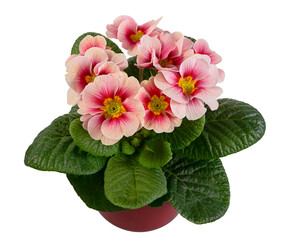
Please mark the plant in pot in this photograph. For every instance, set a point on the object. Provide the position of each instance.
(144, 137)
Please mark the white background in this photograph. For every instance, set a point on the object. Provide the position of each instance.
(36, 38)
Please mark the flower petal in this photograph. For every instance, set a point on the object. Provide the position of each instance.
(105, 68)
(112, 29)
(127, 28)
(110, 128)
(90, 41)
(94, 126)
(77, 69)
(195, 109)
(134, 106)
(178, 109)
(211, 79)
(96, 55)
(127, 87)
(148, 27)
(221, 76)
(202, 47)
(129, 124)
(196, 67)
(72, 97)
(209, 96)
(159, 123)
(147, 48)
(121, 60)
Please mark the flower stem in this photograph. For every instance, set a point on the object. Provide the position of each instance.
(140, 74)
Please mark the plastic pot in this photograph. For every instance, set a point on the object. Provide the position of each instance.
(142, 219)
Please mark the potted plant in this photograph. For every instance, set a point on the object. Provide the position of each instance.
(144, 137)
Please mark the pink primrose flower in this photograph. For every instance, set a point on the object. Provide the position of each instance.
(109, 108)
(158, 114)
(191, 87)
(82, 70)
(127, 31)
(166, 52)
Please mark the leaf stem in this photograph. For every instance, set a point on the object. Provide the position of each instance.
(140, 74)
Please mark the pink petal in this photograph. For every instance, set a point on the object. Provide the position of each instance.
(134, 106)
(151, 88)
(110, 128)
(202, 47)
(72, 97)
(195, 67)
(171, 77)
(129, 123)
(221, 76)
(85, 109)
(148, 47)
(121, 60)
(112, 29)
(108, 141)
(102, 88)
(70, 58)
(77, 69)
(161, 82)
(179, 40)
(143, 96)
(94, 126)
(127, 87)
(178, 109)
(209, 96)
(176, 94)
(159, 123)
(148, 27)
(211, 79)
(90, 41)
(168, 44)
(85, 119)
(96, 55)
(104, 68)
(126, 29)
(195, 109)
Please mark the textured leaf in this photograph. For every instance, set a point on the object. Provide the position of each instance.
(198, 189)
(133, 70)
(83, 140)
(233, 127)
(192, 39)
(90, 189)
(155, 153)
(112, 45)
(74, 109)
(182, 136)
(130, 185)
(160, 201)
(54, 150)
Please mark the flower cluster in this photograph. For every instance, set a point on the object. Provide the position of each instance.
(114, 104)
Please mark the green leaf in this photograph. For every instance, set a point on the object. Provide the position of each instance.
(130, 185)
(54, 150)
(133, 70)
(192, 39)
(127, 148)
(233, 127)
(155, 153)
(90, 189)
(112, 45)
(185, 134)
(160, 201)
(198, 189)
(74, 109)
(83, 140)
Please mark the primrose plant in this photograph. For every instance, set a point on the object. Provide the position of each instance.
(147, 129)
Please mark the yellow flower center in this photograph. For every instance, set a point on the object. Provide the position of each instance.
(187, 85)
(136, 37)
(113, 108)
(90, 78)
(166, 62)
(157, 105)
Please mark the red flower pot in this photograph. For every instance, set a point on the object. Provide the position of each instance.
(142, 219)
